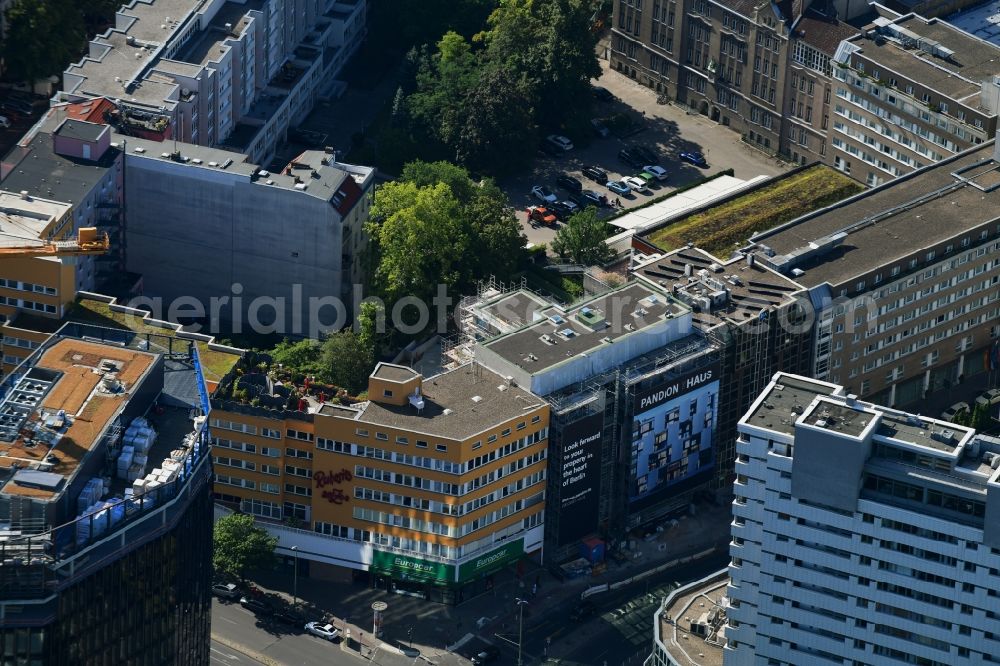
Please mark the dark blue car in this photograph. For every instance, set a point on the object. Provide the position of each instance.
(696, 159)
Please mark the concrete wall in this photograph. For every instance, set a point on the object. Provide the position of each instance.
(827, 466)
(197, 232)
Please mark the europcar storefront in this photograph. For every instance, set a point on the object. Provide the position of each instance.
(439, 581)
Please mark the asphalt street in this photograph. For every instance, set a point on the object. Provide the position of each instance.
(619, 634)
(280, 643)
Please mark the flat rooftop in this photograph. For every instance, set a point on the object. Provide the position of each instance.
(936, 435)
(562, 334)
(44, 173)
(838, 417)
(209, 45)
(784, 401)
(957, 76)
(115, 64)
(982, 20)
(78, 129)
(887, 224)
(394, 373)
(150, 15)
(24, 220)
(451, 409)
(693, 604)
(516, 309)
(56, 414)
(211, 158)
(741, 290)
(720, 227)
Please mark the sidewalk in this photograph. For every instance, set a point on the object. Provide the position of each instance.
(436, 630)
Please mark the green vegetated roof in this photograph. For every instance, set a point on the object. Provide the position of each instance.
(214, 363)
(722, 228)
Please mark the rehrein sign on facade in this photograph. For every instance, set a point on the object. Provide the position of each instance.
(580, 478)
(491, 562)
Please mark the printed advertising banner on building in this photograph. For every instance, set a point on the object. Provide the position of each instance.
(580, 478)
(672, 432)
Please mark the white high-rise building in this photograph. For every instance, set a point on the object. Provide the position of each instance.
(862, 535)
(236, 74)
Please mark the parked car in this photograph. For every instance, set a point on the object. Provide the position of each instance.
(309, 138)
(559, 141)
(646, 177)
(289, 617)
(596, 174)
(550, 149)
(600, 129)
(647, 155)
(696, 159)
(583, 610)
(4, 122)
(541, 215)
(630, 157)
(487, 655)
(226, 591)
(543, 194)
(955, 409)
(618, 186)
(988, 398)
(659, 172)
(21, 96)
(603, 94)
(565, 208)
(569, 183)
(636, 184)
(17, 107)
(323, 630)
(257, 606)
(594, 197)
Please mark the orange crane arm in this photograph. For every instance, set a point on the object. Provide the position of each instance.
(89, 241)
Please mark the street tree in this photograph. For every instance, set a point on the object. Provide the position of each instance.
(444, 83)
(42, 38)
(498, 242)
(239, 546)
(499, 133)
(420, 239)
(582, 239)
(347, 359)
(550, 44)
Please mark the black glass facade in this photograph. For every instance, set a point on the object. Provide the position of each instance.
(150, 606)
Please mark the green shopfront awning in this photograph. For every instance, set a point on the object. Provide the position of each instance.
(491, 562)
(412, 568)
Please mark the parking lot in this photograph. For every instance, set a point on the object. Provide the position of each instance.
(667, 130)
(17, 120)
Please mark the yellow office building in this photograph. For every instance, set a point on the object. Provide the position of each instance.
(432, 485)
(35, 292)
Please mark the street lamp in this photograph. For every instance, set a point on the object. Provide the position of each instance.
(295, 578)
(521, 603)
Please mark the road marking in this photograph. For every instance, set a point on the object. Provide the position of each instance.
(227, 655)
(226, 619)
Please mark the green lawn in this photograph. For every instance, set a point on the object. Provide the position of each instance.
(723, 228)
